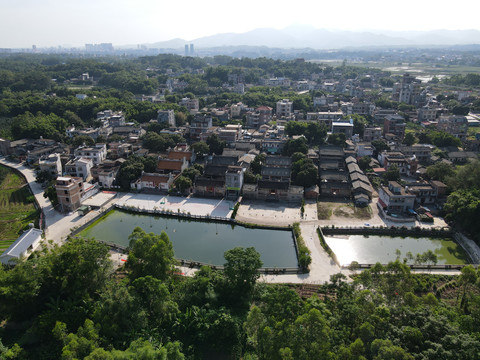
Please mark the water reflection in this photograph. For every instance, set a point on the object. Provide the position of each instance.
(372, 249)
(199, 241)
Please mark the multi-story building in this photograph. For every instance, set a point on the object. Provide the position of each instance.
(394, 124)
(427, 113)
(69, 192)
(51, 164)
(380, 115)
(421, 151)
(343, 127)
(105, 174)
(97, 153)
(200, 124)
(406, 165)
(236, 110)
(394, 199)
(372, 134)
(425, 193)
(192, 105)
(455, 125)
(166, 116)
(407, 91)
(265, 114)
(284, 108)
(261, 116)
(360, 108)
(79, 167)
(233, 181)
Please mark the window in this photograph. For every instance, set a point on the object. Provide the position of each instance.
(67, 199)
(65, 191)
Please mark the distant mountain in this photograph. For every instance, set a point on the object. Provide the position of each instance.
(170, 44)
(304, 36)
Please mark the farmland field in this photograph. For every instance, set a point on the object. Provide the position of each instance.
(17, 207)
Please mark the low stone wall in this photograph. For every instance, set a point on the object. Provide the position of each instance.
(76, 230)
(414, 267)
(389, 231)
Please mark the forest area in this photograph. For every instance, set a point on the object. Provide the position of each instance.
(70, 303)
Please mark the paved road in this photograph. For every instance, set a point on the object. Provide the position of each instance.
(57, 225)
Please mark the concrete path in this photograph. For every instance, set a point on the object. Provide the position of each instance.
(321, 268)
(57, 225)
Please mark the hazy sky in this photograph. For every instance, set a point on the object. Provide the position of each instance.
(68, 22)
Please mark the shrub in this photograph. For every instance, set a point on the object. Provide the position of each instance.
(304, 258)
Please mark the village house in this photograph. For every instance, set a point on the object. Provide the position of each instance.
(372, 134)
(79, 167)
(421, 151)
(167, 117)
(51, 164)
(25, 245)
(333, 174)
(175, 166)
(200, 124)
(394, 200)
(105, 174)
(424, 192)
(192, 105)
(69, 192)
(406, 165)
(154, 181)
(97, 153)
(394, 125)
(455, 125)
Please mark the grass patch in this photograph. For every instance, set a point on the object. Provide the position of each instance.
(324, 212)
(304, 258)
(17, 208)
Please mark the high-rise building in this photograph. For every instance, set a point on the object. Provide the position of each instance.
(192, 51)
(186, 49)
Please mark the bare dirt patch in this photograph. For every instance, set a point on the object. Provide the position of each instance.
(342, 210)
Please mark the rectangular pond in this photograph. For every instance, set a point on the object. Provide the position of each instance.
(198, 240)
(374, 248)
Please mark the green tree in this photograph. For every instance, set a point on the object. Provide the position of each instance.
(215, 144)
(191, 173)
(153, 297)
(183, 183)
(337, 139)
(149, 254)
(257, 163)
(241, 272)
(130, 171)
(82, 140)
(440, 171)
(304, 172)
(364, 162)
(392, 174)
(295, 145)
(409, 139)
(463, 207)
(201, 149)
(380, 145)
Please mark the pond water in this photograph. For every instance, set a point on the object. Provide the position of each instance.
(197, 240)
(372, 249)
